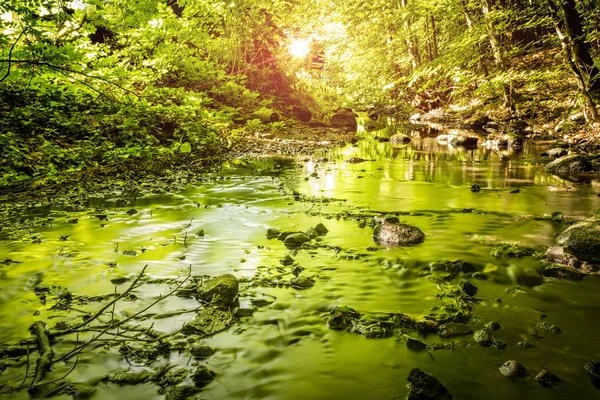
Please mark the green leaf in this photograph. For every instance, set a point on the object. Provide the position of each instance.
(186, 148)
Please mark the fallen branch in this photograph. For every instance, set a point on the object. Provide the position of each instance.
(133, 285)
(46, 354)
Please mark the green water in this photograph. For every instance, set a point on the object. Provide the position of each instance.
(285, 350)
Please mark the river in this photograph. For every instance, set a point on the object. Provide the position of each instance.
(285, 349)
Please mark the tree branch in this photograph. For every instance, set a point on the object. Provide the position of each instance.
(59, 68)
(10, 54)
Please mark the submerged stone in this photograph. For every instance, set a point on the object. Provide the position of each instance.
(512, 250)
(456, 266)
(202, 376)
(425, 387)
(373, 329)
(392, 234)
(468, 288)
(342, 317)
(302, 282)
(583, 241)
(452, 329)
(287, 260)
(415, 344)
(560, 271)
(220, 290)
(209, 321)
(181, 392)
(513, 369)
(201, 351)
(549, 328)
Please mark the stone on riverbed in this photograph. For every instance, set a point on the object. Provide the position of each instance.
(296, 240)
(512, 250)
(455, 267)
(209, 321)
(571, 166)
(513, 369)
(342, 317)
(393, 234)
(484, 337)
(220, 290)
(560, 271)
(547, 379)
(583, 241)
(272, 233)
(452, 329)
(425, 387)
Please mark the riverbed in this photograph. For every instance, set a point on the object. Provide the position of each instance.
(285, 349)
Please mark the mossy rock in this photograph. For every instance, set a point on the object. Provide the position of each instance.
(571, 166)
(220, 290)
(512, 250)
(209, 321)
(296, 240)
(453, 329)
(582, 240)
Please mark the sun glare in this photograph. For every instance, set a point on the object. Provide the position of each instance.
(300, 47)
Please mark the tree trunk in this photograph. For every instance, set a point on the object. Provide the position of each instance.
(412, 43)
(469, 21)
(497, 52)
(434, 37)
(577, 52)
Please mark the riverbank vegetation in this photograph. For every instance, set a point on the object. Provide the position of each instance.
(116, 87)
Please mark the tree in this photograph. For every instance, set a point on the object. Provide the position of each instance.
(569, 29)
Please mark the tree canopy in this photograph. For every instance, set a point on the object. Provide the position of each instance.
(151, 79)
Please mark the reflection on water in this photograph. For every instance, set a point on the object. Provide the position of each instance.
(285, 350)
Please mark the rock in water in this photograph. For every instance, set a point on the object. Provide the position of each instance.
(583, 241)
(342, 317)
(221, 290)
(296, 240)
(484, 337)
(452, 329)
(593, 370)
(209, 321)
(547, 379)
(392, 234)
(513, 369)
(570, 166)
(426, 387)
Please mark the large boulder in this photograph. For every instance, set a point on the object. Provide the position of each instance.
(583, 241)
(343, 119)
(221, 290)
(395, 234)
(570, 166)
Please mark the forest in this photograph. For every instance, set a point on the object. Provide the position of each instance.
(299, 200)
